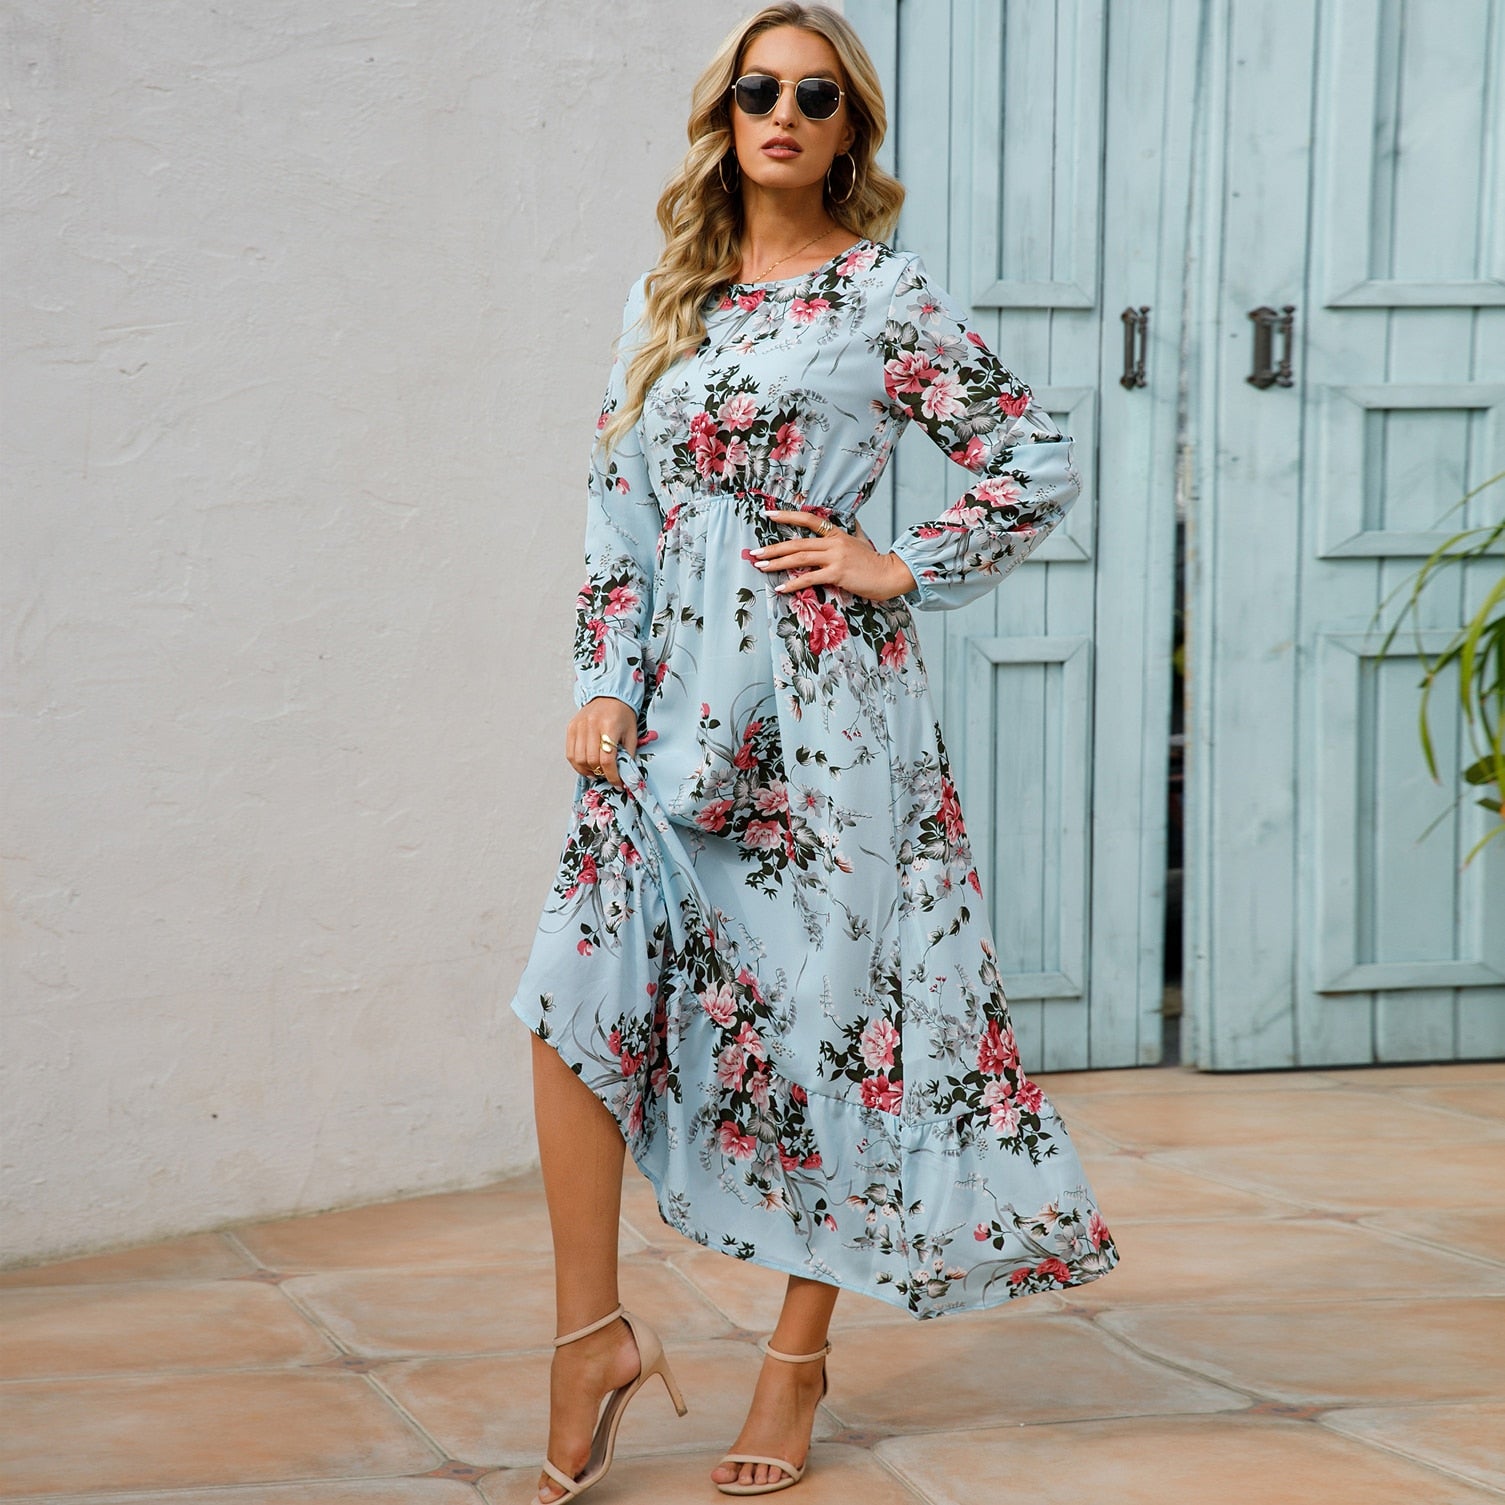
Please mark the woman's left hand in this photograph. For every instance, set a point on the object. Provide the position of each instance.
(839, 558)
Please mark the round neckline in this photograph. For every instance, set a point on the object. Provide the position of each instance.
(830, 261)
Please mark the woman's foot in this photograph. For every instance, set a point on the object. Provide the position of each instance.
(583, 1374)
(779, 1421)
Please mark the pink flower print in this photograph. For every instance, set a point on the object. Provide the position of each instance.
(808, 310)
(951, 812)
(730, 1065)
(736, 454)
(629, 853)
(584, 948)
(720, 1003)
(635, 1117)
(745, 757)
(739, 411)
(830, 1222)
(630, 1062)
(614, 1042)
(798, 1093)
(596, 626)
(973, 455)
(772, 799)
(894, 654)
(859, 259)
(941, 399)
(975, 882)
(705, 709)
(1028, 1096)
(998, 491)
(976, 339)
(788, 442)
(623, 485)
(823, 623)
(811, 1162)
(758, 1089)
(702, 428)
(787, 1161)
(1014, 405)
(622, 598)
(879, 1092)
(588, 869)
(710, 458)
(997, 1051)
(751, 1041)
(1054, 1269)
(1005, 1118)
(981, 1232)
(907, 373)
(712, 817)
(997, 1091)
(877, 1044)
(747, 302)
(968, 517)
(733, 1141)
(1097, 1230)
(762, 836)
(748, 981)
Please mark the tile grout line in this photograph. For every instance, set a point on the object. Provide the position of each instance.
(343, 1349)
(1395, 1450)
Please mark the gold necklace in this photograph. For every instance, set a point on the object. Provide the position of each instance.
(791, 255)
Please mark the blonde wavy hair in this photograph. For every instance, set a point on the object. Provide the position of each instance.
(702, 222)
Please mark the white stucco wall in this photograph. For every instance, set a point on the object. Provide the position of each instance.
(306, 318)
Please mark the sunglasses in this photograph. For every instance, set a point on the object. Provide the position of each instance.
(758, 93)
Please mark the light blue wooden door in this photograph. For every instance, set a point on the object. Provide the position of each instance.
(1351, 161)
(1032, 138)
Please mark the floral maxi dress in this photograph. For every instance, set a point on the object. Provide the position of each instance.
(768, 956)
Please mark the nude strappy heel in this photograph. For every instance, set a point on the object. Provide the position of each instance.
(603, 1443)
(794, 1475)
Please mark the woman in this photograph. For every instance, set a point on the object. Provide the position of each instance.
(765, 964)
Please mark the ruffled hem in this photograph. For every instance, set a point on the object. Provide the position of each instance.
(1040, 1239)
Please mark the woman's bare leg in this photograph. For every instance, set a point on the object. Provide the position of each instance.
(782, 1414)
(581, 1149)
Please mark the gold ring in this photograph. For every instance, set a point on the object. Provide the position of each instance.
(825, 527)
(597, 769)
(607, 745)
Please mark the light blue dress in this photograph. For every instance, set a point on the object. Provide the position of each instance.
(769, 957)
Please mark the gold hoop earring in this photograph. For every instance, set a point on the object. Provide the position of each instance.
(721, 173)
(850, 186)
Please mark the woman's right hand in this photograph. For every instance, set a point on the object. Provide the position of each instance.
(603, 716)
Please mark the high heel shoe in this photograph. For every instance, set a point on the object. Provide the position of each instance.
(604, 1440)
(794, 1475)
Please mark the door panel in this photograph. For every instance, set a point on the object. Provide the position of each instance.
(1028, 138)
(1352, 154)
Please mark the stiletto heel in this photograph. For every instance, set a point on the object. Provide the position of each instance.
(794, 1474)
(673, 1389)
(604, 1440)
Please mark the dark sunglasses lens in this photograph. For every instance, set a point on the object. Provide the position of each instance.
(756, 93)
(817, 98)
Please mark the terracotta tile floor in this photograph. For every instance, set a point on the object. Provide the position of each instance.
(1310, 1308)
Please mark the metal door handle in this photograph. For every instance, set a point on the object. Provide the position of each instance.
(1134, 370)
(1266, 322)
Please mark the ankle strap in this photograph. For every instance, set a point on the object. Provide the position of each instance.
(795, 1358)
(580, 1332)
